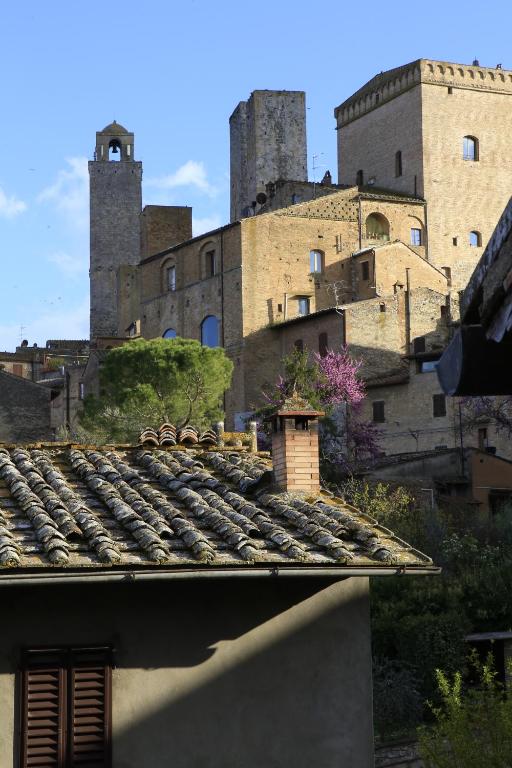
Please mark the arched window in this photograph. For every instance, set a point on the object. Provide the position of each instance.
(114, 150)
(470, 148)
(360, 178)
(377, 227)
(475, 239)
(398, 163)
(170, 333)
(316, 261)
(210, 331)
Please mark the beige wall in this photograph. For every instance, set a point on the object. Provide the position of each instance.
(370, 142)
(464, 195)
(226, 673)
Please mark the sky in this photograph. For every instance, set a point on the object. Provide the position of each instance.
(173, 72)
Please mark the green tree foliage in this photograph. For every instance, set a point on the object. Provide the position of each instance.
(144, 383)
(419, 623)
(473, 726)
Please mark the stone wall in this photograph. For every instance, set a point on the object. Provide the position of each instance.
(398, 755)
(162, 226)
(24, 410)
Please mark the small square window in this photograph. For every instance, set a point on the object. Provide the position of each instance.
(439, 405)
(171, 278)
(415, 236)
(378, 411)
(303, 305)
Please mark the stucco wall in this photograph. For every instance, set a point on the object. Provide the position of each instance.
(224, 674)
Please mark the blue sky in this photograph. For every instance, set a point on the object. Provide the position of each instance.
(173, 73)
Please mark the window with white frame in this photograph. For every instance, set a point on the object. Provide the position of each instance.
(303, 305)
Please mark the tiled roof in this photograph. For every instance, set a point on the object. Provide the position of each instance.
(77, 507)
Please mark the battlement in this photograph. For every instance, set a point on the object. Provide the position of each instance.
(388, 85)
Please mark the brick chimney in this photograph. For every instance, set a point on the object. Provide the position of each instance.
(295, 446)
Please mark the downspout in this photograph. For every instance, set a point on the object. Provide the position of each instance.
(222, 304)
(68, 405)
(426, 229)
(360, 223)
(407, 312)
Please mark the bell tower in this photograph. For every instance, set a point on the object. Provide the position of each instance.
(115, 180)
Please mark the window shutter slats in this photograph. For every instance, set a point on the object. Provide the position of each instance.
(66, 709)
(89, 711)
(43, 712)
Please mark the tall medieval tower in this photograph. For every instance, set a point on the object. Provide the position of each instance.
(267, 143)
(439, 131)
(115, 204)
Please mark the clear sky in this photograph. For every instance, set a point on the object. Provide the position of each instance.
(172, 72)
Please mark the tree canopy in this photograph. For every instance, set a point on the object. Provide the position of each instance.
(144, 383)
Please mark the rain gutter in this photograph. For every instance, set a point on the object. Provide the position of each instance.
(131, 576)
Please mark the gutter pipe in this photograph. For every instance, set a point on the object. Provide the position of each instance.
(131, 576)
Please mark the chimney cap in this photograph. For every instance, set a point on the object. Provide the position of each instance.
(295, 405)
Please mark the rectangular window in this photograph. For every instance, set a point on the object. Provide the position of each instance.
(398, 164)
(303, 305)
(299, 345)
(439, 405)
(448, 274)
(211, 266)
(322, 344)
(315, 261)
(171, 278)
(17, 369)
(378, 411)
(66, 708)
(365, 270)
(415, 236)
(419, 345)
(427, 366)
(482, 438)
(81, 390)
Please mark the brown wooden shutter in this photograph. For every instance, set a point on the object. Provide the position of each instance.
(43, 714)
(66, 704)
(89, 710)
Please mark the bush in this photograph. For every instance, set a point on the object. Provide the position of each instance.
(473, 726)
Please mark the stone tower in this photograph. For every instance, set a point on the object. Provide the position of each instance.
(115, 203)
(267, 143)
(439, 131)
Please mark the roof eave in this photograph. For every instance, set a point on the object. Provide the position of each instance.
(54, 578)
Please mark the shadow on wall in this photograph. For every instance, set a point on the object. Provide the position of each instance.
(223, 673)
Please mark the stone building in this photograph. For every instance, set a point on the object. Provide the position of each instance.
(375, 261)
(438, 130)
(241, 286)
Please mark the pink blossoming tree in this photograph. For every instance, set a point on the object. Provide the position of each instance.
(332, 384)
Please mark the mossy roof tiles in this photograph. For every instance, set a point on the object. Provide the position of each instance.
(87, 508)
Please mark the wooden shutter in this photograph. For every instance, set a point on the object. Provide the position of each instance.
(66, 704)
(89, 710)
(43, 713)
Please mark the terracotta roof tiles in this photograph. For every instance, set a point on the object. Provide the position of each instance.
(81, 507)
